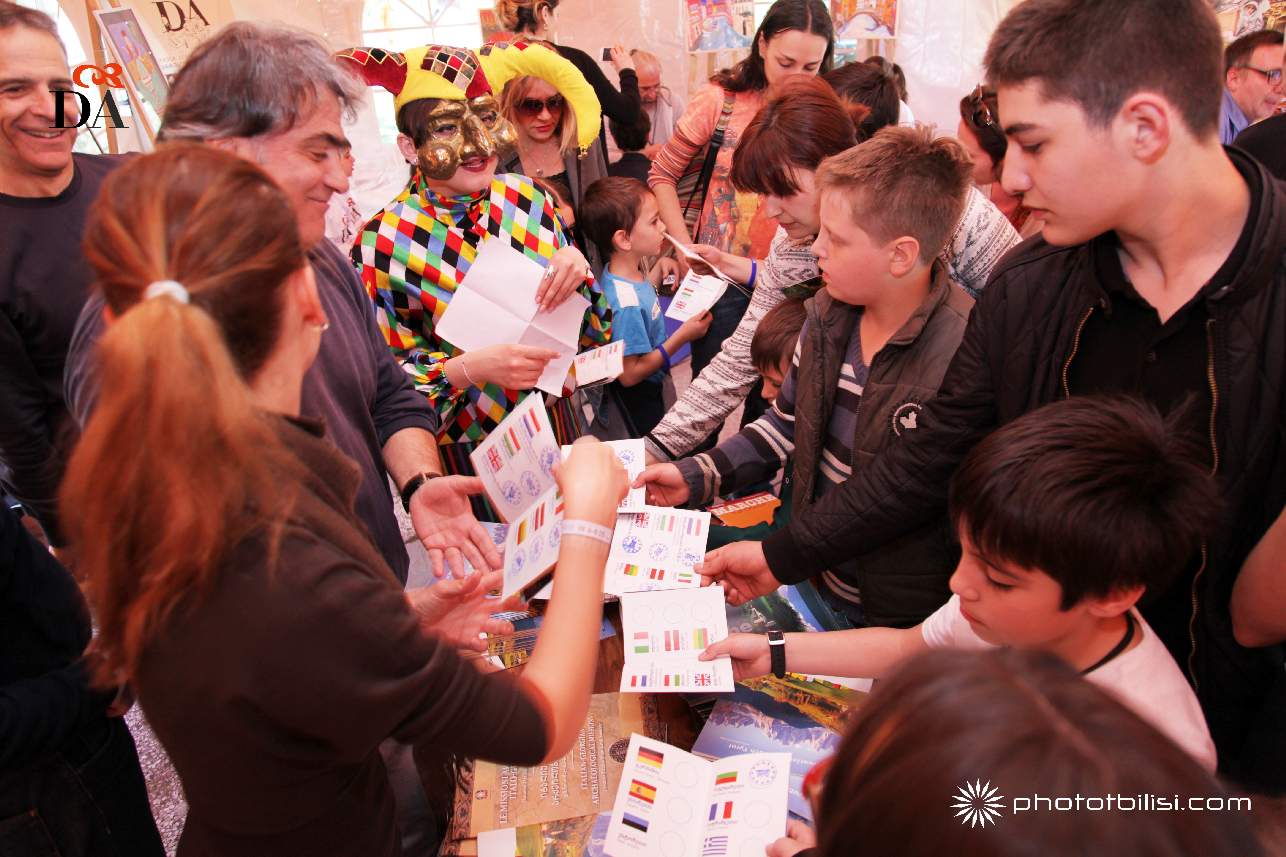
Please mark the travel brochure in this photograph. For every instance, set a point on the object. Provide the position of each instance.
(672, 803)
(664, 632)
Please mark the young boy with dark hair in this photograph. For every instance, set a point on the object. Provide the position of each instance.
(631, 139)
(1066, 516)
(1161, 272)
(879, 335)
(774, 343)
(621, 217)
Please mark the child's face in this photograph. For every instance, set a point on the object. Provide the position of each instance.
(648, 234)
(773, 378)
(854, 265)
(1011, 606)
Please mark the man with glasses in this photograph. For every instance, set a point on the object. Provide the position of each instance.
(661, 105)
(1266, 140)
(1252, 82)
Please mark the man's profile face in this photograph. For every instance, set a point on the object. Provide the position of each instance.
(1250, 87)
(649, 83)
(32, 63)
(1068, 170)
(310, 161)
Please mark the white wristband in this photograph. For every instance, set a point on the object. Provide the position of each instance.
(588, 529)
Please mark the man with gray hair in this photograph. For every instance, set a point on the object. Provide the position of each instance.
(273, 95)
(660, 103)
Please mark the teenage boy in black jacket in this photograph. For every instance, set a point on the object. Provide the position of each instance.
(1161, 272)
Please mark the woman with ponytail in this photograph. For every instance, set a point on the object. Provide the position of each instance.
(269, 643)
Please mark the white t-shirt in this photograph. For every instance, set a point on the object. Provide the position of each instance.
(1145, 678)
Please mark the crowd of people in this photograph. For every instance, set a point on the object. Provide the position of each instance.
(1021, 391)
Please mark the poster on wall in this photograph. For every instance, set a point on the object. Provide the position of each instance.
(864, 19)
(1255, 15)
(720, 25)
(142, 71)
(178, 26)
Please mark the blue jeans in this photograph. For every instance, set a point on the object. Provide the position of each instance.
(88, 800)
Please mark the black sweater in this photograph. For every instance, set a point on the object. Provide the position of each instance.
(44, 627)
(44, 279)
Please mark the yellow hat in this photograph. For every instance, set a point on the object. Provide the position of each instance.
(454, 74)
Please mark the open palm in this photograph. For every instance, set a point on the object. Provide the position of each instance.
(445, 525)
(457, 609)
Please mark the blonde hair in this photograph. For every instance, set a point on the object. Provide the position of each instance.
(520, 16)
(902, 182)
(518, 89)
(177, 463)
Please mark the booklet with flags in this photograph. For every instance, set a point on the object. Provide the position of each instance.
(516, 461)
(672, 802)
(664, 632)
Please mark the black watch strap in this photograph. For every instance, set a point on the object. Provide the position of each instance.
(409, 489)
(777, 652)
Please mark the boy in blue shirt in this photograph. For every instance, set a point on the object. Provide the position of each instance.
(621, 217)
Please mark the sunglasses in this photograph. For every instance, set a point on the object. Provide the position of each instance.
(982, 116)
(533, 107)
(1274, 75)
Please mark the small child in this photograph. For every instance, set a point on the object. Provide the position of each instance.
(621, 217)
(774, 344)
(631, 139)
(1066, 516)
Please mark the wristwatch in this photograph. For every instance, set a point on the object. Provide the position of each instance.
(777, 651)
(409, 489)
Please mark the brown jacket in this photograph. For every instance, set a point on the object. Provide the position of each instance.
(905, 580)
(272, 692)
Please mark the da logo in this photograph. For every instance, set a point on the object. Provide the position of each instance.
(108, 75)
(906, 418)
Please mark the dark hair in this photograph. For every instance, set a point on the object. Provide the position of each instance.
(1239, 52)
(802, 124)
(12, 15)
(253, 79)
(631, 136)
(871, 86)
(610, 204)
(891, 68)
(903, 181)
(992, 140)
(776, 335)
(1096, 54)
(203, 459)
(806, 16)
(1099, 492)
(1023, 723)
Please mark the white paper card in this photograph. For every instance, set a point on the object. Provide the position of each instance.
(498, 843)
(496, 304)
(630, 454)
(654, 547)
(692, 256)
(600, 365)
(531, 543)
(664, 632)
(672, 802)
(516, 461)
(696, 294)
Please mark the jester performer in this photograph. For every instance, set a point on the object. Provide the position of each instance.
(416, 253)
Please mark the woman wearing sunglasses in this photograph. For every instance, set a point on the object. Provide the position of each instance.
(546, 145)
(980, 133)
(959, 738)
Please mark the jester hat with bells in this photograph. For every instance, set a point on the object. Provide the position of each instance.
(476, 78)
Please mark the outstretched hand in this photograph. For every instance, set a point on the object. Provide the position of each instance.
(457, 609)
(742, 569)
(444, 523)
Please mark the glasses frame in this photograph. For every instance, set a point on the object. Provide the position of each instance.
(982, 115)
(533, 107)
(1274, 75)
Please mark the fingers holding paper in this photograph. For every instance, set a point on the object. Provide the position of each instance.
(749, 653)
(665, 485)
(799, 837)
(742, 569)
(567, 271)
(514, 367)
(593, 482)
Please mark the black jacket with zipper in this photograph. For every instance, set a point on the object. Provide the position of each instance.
(1020, 341)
